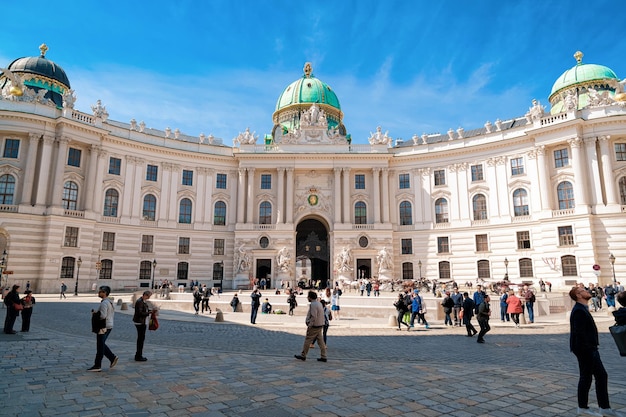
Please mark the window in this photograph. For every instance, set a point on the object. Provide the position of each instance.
(565, 193)
(441, 210)
(111, 199)
(479, 204)
(73, 158)
(220, 181)
(483, 268)
(440, 177)
(184, 214)
(407, 246)
(520, 202)
(620, 151)
(11, 148)
(477, 173)
(218, 271)
(359, 182)
(266, 182)
(407, 270)
(219, 214)
(187, 177)
(145, 270)
(561, 158)
(526, 268)
(517, 166)
(149, 207)
(443, 245)
(265, 213)
(71, 237)
(406, 213)
(67, 268)
(405, 181)
(147, 243)
(70, 195)
(568, 265)
(622, 189)
(444, 270)
(218, 246)
(523, 240)
(482, 243)
(7, 189)
(182, 272)
(360, 213)
(152, 173)
(115, 166)
(106, 272)
(566, 236)
(183, 246)
(108, 241)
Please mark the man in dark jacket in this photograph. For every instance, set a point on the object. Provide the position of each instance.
(468, 313)
(483, 319)
(140, 318)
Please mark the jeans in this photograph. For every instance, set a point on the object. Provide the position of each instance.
(456, 310)
(141, 337)
(503, 314)
(484, 328)
(531, 311)
(253, 314)
(610, 301)
(448, 319)
(590, 366)
(102, 349)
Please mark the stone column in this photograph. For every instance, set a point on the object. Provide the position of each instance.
(385, 202)
(280, 183)
(250, 197)
(606, 155)
(544, 182)
(97, 189)
(29, 175)
(347, 218)
(44, 171)
(376, 198)
(59, 170)
(88, 187)
(289, 207)
(174, 202)
(128, 196)
(232, 204)
(165, 193)
(200, 198)
(137, 195)
(593, 168)
(337, 196)
(578, 163)
(241, 188)
(208, 199)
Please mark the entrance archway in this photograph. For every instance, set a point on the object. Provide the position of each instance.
(312, 243)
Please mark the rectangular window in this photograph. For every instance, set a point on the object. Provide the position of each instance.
(477, 173)
(220, 181)
(517, 166)
(523, 240)
(440, 177)
(443, 245)
(152, 173)
(405, 181)
(187, 177)
(266, 182)
(147, 243)
(11, 148)
(183, 245)
(620, 151)
(73, 158)
(108, 241)
(359, 182)
(71, 237)
(407, 246)
(115, 166)
(218, 246)
(482, 244)
(561, 158)
(566, 236)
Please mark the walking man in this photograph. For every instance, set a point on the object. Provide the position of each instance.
(315, 321)
(483, 319)
(106, 311)
(63, 289)
(140, 319)
(457, 297)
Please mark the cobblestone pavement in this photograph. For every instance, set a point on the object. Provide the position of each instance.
(198, 367)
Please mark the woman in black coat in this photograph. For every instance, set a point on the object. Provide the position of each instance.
(10, 300)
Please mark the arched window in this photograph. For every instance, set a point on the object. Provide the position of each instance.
(219, 214)
(444, 270)
(526, 268)
(70, 195)
(520, 202)
(265, 213)
(406, 213)
(360, 213)
(479, 204)
(441, 210)
(7, 189)
(145, 270)
(149, 207)
(483, 269)
(407, 270)
(565, 193)
(568, 266)
(67, 267)
(622, 190)
(111, 200)
(107, 269)
(182, 271)
(184, 214)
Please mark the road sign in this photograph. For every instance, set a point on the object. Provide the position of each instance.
(596, 267)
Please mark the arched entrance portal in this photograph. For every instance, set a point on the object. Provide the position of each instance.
(312, 246)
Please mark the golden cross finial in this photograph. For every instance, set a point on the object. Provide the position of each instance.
(308, 69)
(43, 48)
(579, 57)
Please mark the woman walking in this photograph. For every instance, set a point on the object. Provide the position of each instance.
(514, 307)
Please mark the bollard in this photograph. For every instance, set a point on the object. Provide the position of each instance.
(393, 321)
(219, 316)
(124, 306)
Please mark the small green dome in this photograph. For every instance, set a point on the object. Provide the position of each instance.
(307, 89)
(581, 73)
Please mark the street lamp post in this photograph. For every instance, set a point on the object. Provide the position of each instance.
(612, 260)
(506, 266)
(419, 264)
(79, 263)
(154, 264)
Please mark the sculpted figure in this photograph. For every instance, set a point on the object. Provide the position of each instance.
(100, 111)
(384, 260)
(242, 259)
(343, 261)
(69, 99)
(283, 259)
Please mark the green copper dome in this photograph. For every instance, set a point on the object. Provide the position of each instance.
(582, 73)
(307, 89)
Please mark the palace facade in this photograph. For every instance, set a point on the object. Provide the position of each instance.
(85, 199)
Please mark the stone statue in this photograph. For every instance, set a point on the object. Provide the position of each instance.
(384, 260)
(202, 137)
(379, 138)
(69, 99)
(245, 138)
(283, 259)
(133, 124)
(242, 259)
(343, 261)
(570, 102)
(142, 126)
(537, 111)
(168, 132)
(16, 86)
(177, 134)
(100, 111)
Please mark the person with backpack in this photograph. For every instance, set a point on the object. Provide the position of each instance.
(447, 305)
(291, 300)
(401, 308)
(197, 298)
(105, 312)
(504, 316)
(234, 303)
(529, 297)
(206, 295)
(418, 309)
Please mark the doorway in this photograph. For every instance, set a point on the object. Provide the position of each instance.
(363, 268)
(264, 272)
(312, 244)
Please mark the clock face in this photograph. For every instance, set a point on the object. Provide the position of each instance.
(313, 199)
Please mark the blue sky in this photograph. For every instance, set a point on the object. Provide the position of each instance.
(218, 66)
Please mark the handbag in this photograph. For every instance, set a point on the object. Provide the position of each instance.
(619, 335)
(97, 323)
(18, 306)
(461, 314)
(154, 322)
